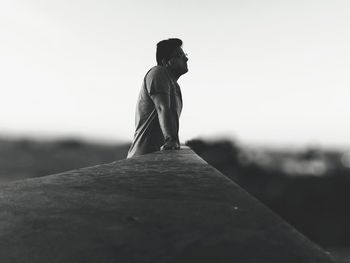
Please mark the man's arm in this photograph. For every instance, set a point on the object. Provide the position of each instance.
(166, 121)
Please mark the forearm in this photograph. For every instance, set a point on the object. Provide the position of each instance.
(166, 122)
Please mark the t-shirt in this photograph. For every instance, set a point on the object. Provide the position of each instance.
(148, 135)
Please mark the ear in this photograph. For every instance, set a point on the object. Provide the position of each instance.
(164, 62)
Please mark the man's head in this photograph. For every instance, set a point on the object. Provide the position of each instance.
(171, 55)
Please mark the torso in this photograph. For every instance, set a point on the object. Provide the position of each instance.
(148, 135)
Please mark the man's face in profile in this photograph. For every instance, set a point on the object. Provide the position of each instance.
(178, 61)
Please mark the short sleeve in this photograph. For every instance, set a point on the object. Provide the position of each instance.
(157, 81)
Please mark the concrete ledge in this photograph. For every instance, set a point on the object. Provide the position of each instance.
(162, 207)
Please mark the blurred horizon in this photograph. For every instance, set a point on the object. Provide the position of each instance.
(66, 136)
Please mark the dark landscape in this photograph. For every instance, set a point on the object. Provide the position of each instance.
(306, 187)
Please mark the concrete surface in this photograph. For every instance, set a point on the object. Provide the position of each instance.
(162, 207)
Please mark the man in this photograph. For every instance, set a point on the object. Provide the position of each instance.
(160, 103)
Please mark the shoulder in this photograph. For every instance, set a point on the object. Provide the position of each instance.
(157, 72)
(157, 80)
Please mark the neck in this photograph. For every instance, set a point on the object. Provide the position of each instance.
(175, 76)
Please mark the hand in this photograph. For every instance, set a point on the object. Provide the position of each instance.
(170, 145)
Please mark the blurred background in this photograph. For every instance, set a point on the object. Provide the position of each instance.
(265, 98)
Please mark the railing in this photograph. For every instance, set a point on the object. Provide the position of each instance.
(169, 206)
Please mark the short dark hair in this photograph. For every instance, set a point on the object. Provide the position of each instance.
(165, 48)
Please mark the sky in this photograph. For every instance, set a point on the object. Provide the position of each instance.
(263, 72)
